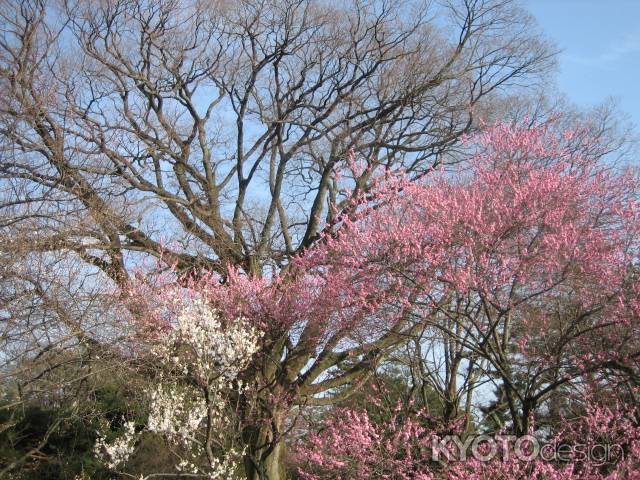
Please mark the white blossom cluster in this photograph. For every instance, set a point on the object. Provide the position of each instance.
(200, 344)
(212, 352)
(118, 452)
(225, 468)
(176, 413)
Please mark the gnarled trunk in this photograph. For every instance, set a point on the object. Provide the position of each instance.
(265, 457)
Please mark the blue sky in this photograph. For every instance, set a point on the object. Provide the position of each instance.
(600, 43)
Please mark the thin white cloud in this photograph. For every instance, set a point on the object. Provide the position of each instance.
(629, 45)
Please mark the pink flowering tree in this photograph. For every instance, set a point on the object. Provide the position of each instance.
(524, 259)
(603, 443)
(527, 260)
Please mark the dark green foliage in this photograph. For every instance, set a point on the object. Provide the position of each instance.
(67, 451)
(55, 440)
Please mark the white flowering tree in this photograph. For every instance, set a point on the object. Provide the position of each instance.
(200, 356)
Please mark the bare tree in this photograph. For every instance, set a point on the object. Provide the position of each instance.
(194, 112)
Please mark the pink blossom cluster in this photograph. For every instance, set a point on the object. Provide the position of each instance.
(525, 223)
(528, 248)
(351, 445)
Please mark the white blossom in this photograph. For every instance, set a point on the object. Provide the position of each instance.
(211, 352)
(174, 413)
(199, 341)
(118, 452)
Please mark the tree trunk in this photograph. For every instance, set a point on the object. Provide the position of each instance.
(265, 458)
(269, 466)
